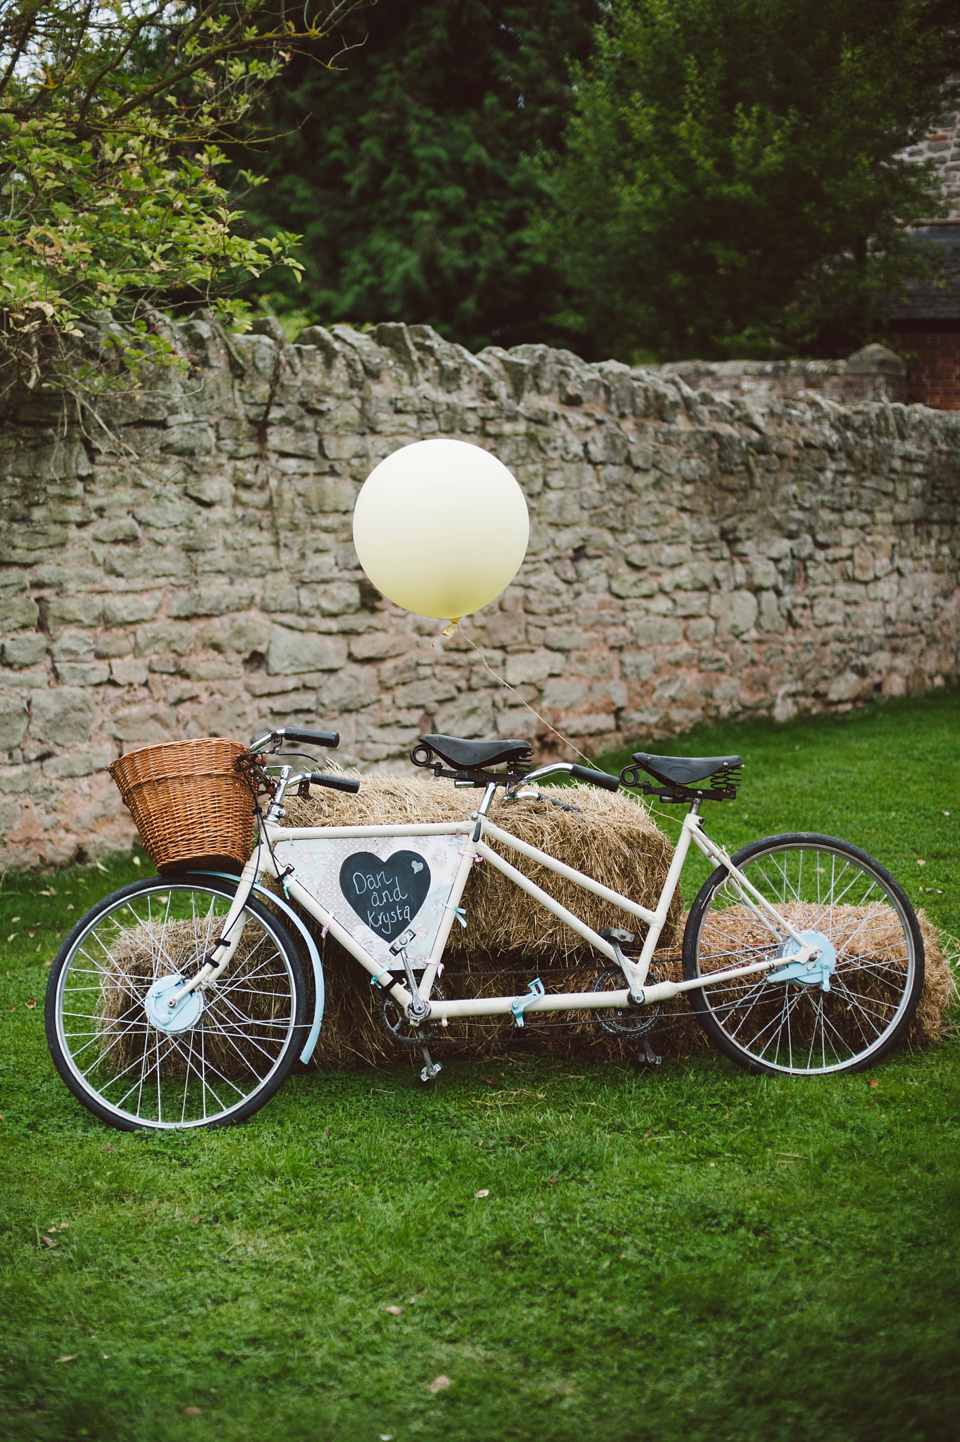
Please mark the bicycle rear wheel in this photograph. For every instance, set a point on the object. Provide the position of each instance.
(239, 1046)
(840, 1016)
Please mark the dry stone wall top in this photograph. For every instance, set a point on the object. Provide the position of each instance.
(871, 374)
(184, 566)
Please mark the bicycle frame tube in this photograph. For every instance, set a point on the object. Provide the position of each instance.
(764, 912)
(477, 848)
(225, 946)
(311, 946)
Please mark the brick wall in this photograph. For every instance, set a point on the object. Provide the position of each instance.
(692, 557)
(933, 371)
(927, 317)
(942, 146)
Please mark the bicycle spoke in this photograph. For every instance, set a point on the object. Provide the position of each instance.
(239, 1048)
(872, 965)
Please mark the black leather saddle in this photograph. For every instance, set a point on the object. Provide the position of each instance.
(677, 776)
(469, 755)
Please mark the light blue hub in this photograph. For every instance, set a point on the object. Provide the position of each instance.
(815, 972)
(172, 1018)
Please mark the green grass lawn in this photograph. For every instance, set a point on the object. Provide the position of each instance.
(691, 1253)
(886, 778)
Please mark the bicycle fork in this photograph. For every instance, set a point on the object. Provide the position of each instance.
(219, 956)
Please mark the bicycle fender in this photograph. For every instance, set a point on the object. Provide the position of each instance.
(312, 952)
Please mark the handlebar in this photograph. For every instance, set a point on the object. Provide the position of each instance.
(336, 783)
(295, 733)
(579, 773)
(274, 741)
(311, 738)
(596, 778)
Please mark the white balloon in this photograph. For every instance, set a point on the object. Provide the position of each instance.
(441, 528)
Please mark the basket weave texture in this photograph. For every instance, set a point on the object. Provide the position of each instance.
(188, 801)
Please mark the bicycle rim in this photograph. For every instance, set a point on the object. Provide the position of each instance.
(853, 1012)
(227, 1063)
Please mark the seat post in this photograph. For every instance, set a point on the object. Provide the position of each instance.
(484, 808)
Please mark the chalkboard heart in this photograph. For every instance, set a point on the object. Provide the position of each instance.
(386, 895)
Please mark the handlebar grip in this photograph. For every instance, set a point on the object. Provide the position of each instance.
(336, 783)
(596, 778)
(312, 738)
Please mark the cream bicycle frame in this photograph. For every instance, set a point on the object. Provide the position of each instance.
(478, 831)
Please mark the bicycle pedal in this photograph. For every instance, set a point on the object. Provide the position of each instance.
(646, 1056)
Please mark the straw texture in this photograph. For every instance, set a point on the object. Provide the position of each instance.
(510, 939)
(609, 838)
(353, 1036)
(258, 986)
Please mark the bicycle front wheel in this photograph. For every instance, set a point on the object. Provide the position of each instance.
(244, 1030)
(844, 1013)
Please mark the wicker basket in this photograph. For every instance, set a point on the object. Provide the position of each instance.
(189, 802)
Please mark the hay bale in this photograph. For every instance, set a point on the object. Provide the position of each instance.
(676, 1033)
(132, 969)
(942, 954)
(610, 838)
(871, 931)
(510, 939)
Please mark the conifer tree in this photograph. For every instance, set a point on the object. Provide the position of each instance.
(409, 171)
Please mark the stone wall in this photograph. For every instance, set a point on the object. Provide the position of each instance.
(873, 373)
(691, 557)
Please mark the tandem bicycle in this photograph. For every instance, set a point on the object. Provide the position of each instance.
(184, 999)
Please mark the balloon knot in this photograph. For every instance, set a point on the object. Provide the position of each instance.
(447, 632)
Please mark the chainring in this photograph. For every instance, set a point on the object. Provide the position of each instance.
(628, 1021)
(397, 1027)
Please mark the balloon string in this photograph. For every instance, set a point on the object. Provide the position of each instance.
(565, 739)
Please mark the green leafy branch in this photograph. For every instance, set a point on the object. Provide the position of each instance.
(111, 119)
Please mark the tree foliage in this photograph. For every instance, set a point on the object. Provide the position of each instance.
(111, 117)
(410, 171)
(730, 182)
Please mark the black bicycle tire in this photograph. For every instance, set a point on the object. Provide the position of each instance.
(691, 959)
(88, 1095)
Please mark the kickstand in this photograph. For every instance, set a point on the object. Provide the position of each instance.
(432, 1069)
